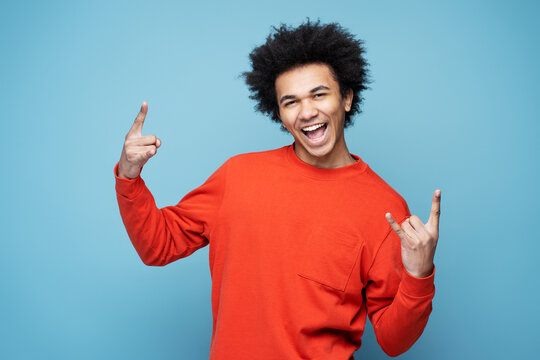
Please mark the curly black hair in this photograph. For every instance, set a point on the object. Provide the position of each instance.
(287, 48)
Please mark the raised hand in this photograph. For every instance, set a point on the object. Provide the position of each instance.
(138, 149)
(418, 240)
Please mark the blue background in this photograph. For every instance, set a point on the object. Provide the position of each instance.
(453, 106)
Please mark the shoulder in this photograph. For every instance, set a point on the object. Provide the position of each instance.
(386, 194)
(257, 158)
(382, 196)
(376, 197)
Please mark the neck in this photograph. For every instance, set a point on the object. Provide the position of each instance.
(337, 158)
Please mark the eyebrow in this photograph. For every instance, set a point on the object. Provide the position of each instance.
(318, 88)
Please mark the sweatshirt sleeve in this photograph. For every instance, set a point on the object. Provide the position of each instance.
(161, 236)
(398, 303)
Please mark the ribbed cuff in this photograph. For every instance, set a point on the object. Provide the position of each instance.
(417, 287)
(128, 188)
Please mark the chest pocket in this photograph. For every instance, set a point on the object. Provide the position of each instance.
(328, 258)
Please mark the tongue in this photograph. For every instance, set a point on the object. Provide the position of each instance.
(317, 133)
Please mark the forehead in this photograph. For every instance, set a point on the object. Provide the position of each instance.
(302, 79)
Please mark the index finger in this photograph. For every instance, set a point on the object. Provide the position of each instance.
(435, 209)
(395, 226)
(136, 128)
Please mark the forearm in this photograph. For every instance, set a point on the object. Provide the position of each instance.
(398, 325)
(137, 213)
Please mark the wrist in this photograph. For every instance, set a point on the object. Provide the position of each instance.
(126, 169)
(416, 286)
(423, 273)
(130, 174)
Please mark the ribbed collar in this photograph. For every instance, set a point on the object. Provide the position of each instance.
(314, 172)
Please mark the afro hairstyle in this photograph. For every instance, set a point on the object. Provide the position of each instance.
(287, 48)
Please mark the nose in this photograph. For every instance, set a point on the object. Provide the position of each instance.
(308, 110)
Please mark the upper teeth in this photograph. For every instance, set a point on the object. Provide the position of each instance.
(313, 127)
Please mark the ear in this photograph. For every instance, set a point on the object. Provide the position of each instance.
(348, 100)
(276, 112)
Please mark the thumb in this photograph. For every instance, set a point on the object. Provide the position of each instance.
(150, 153)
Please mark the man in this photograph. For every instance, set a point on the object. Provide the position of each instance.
(305, 240)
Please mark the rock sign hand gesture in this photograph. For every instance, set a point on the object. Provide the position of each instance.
(138, 149)
(418, 240)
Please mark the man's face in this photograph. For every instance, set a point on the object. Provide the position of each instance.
(312, 109)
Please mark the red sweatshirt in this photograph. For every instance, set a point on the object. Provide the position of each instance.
(298, 256)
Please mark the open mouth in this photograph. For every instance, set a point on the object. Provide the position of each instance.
(315, 132)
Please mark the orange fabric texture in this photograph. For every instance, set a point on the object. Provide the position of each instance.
(298, 256)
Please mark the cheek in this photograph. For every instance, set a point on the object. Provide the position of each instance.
(331, 106)
(287, 119)
(334, 112)
(286, 124)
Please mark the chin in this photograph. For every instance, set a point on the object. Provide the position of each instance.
(320, 152)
